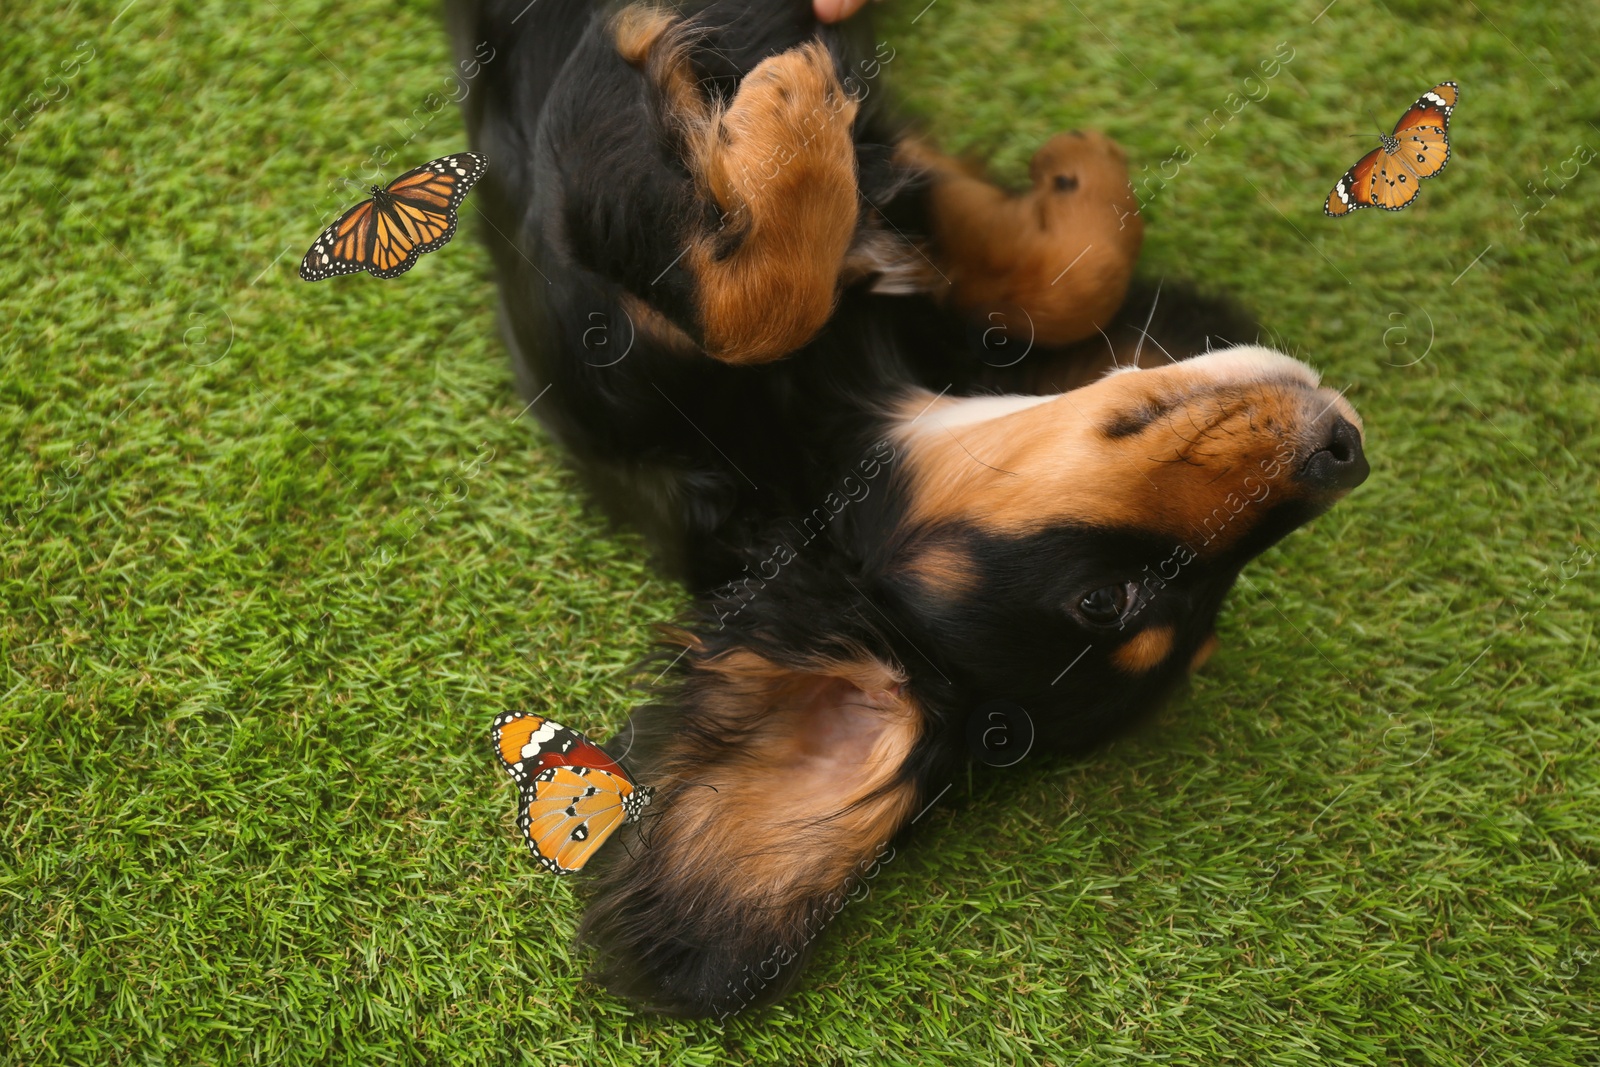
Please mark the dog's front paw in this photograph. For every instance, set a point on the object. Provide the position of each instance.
(780, 165)
(787, 134)
(774, 176)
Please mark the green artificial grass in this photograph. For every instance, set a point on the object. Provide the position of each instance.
(274, 553)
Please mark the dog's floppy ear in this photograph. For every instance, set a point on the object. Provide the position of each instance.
(778, 787)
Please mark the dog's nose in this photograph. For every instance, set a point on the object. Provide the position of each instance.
(1338, 463)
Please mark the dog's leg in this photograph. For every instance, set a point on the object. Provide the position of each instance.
(1058, 258)
(775, 172)
(780, 787)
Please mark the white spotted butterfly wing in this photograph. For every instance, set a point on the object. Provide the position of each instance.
(1389, 175)
(412, 215)
(572, 795)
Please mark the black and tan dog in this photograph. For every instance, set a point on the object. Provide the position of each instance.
(764, 319)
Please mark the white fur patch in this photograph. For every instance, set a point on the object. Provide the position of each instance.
(1250, 363)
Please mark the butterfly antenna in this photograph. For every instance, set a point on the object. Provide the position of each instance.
(647, 832)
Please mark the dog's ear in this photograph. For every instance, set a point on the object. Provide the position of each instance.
(778, 788)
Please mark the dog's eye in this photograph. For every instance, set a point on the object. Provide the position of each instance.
(1065, 183)
(1108, 605)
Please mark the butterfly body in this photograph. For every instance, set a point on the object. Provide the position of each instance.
(573, 796)
(386, 234)
(1389, 175)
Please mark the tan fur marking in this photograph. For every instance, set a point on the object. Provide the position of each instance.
(1145, 652)
(677, 635)
(637, 28)
(1065, 257)
(943, 571)
(1203, 653)
(657, 41)
(1237, 424)
(651, 324)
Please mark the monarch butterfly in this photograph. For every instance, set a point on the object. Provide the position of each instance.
(573, 795)
(385, 235)
(1389, 175)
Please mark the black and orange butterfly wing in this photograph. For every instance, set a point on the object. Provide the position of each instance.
(342, 247)
(1430, 116)
(1394, 184)
(573, 795)
(421, 213)
(1421, 148)
(1354, 191)
(1390, 179)
(414, 214)
(527, 744)
(569, 812)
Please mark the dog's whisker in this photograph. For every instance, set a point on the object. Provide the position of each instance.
(1148, 319)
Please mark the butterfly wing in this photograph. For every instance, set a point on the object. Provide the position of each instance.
(1432, 110)
(1394, 183)
(569, 812)
(386, 235)
(440, 185)
(1423, 135)
(1424, 150)
(1421, 147)
(1354, 191)
(527, 744)
(574, 796)
(343, 248)
(420, 213)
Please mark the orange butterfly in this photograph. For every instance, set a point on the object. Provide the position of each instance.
(1389, 175)
(385, 235)
(574, 796)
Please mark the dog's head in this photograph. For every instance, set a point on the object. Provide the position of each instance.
(1069, 553)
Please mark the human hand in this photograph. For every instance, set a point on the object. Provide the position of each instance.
(836, 10)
